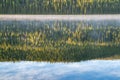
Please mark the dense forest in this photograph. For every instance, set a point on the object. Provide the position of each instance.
(59, 6)
(58, 40)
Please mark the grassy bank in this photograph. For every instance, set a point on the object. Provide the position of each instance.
(66, 53)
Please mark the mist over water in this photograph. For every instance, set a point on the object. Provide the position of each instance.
(62, 20)
(60, 17)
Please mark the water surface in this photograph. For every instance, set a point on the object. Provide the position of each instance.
(60, 17)
(86, 70)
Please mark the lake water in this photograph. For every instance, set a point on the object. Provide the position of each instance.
(85, 70)
(60, 17)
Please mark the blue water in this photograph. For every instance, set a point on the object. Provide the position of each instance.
(85, 70)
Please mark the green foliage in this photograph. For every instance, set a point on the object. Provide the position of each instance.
(59, 6)
(57, 41)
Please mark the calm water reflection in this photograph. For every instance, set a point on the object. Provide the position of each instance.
(86, 70)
